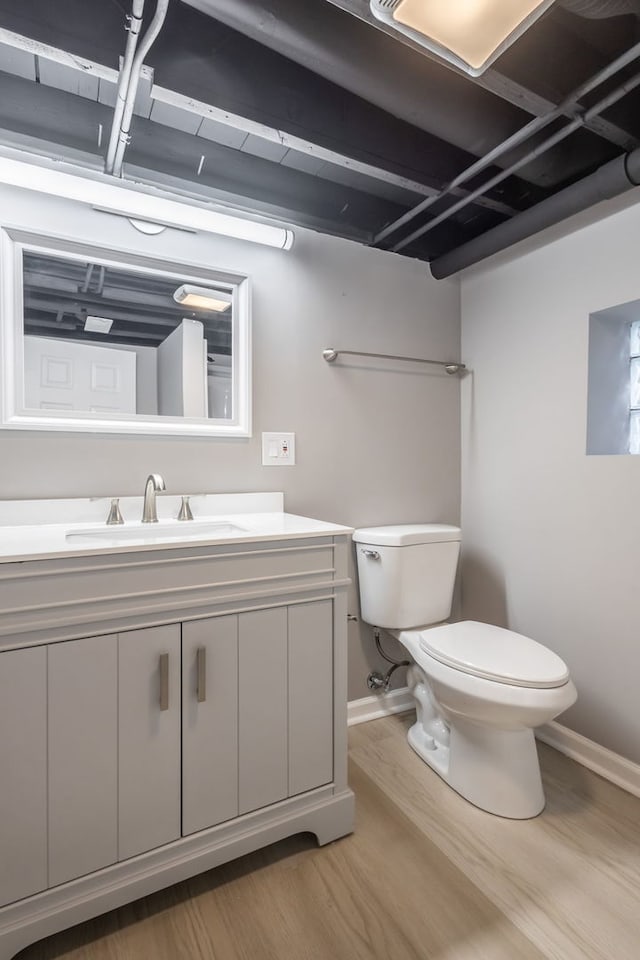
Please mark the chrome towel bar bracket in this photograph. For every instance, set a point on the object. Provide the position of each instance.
(330, 354)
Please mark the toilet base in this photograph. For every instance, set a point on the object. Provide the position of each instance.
(496, 770)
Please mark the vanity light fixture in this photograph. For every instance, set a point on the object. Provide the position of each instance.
(470, 34)
(202, 298)
(97, 325)
(137, 201)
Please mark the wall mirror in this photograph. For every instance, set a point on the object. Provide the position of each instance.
(98, 341)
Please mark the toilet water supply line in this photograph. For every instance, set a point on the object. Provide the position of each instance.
(376, 680)
(132, 64)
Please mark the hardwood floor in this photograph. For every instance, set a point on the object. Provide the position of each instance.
(425, 876)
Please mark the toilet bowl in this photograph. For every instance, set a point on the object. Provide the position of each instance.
(476, 715)
(480, 690)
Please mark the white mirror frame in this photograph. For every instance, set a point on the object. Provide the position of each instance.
(14, 415)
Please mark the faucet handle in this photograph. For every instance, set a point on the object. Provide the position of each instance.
(115, 516)
(185, 510)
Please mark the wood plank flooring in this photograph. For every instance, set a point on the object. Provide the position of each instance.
(425, 876)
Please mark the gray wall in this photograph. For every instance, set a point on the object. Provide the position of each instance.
(550, 534)
(375, 443)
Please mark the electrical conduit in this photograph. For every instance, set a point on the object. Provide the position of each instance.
(123, 131)
(134, 27)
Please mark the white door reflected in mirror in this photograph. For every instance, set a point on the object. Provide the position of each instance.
(62, 375)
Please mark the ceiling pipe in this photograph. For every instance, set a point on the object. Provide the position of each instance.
(525, 133)
(611, 180)
(124, 132)
(542, 148)
(133, 26)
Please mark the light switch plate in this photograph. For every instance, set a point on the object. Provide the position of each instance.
(278, 449)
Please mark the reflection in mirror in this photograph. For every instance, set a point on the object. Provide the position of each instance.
(108, 340)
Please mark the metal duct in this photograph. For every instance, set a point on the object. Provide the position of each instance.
(601, 9)
(611, 180)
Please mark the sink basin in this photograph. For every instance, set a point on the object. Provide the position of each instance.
(167, 530)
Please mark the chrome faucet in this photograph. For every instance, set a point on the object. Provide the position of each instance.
(154, 484)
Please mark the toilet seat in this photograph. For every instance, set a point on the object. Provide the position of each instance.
(493, 653)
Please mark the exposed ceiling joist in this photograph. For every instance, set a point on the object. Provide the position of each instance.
(212, 123)
(56, 68)
(335, 125)
(538, 106)
(496, 82)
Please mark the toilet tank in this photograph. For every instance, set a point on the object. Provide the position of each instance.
(407, 573)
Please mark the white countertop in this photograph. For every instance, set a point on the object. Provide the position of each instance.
(47, 529)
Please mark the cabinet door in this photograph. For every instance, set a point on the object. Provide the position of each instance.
(310, 631)
(262, 708)
(149, 739)
(83, 756)
(23, 762)
(209, 722)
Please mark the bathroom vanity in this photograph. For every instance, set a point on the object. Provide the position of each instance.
(169, 699)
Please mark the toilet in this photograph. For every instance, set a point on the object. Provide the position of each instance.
(480, 690)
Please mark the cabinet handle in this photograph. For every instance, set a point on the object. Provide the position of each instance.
(164, 681)
(201, 669)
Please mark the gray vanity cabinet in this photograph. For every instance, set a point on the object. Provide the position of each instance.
(113, 748)
(263, 695)
(161, 713)
(209, 722)
(257, 710)
(82, 767)
(148, 739)
(311, 698)
(137, 738)
(90, 759)
(23, 773)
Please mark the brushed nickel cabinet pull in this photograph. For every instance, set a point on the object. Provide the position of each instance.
(201, 668)
(164, 681)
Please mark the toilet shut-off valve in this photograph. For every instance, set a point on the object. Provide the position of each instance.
(377, 680)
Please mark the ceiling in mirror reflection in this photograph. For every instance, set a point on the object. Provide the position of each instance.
(61, 293)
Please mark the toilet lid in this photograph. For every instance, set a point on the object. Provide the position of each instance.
(493, 653)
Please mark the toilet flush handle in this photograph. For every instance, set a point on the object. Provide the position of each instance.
(371, 554)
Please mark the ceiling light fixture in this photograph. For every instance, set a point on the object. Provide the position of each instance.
(202, 298)
(132, 202)
(97, 325)
(470, 34)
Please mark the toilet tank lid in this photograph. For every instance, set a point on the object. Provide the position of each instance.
(403, 534)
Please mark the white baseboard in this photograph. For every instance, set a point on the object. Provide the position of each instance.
(379, 705)
(624, 773)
